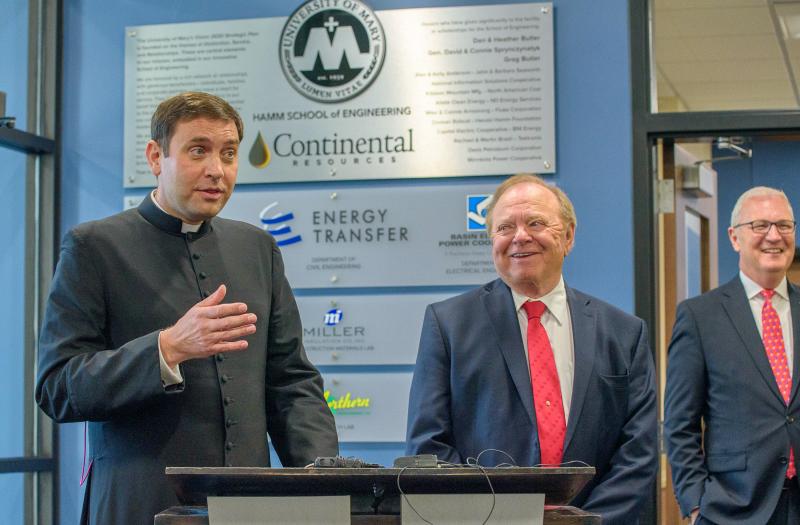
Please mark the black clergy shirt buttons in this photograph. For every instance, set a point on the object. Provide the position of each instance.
(220, 357)
(224, 378)
(229, 446)
(195, 256)
(206, 293)
(230, 422)
(227, 400)
(202, 275)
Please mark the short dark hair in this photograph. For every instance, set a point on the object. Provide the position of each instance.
(189, 106)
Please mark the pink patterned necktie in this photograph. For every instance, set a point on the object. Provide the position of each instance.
(546, 387)
(772, 336)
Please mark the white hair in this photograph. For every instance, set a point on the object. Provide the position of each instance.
(758, 191)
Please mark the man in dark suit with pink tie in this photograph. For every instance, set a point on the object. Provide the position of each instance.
(731, 407)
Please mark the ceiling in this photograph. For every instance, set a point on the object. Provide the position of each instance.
(726, 54)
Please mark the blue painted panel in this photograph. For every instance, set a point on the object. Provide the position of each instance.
(13, 81)
(694, 261)
(13, 498)
(14, 62)
(12, 314)
(382, 454)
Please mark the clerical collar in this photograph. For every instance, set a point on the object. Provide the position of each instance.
(155, 215)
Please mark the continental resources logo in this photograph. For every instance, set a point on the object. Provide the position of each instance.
(347, 404)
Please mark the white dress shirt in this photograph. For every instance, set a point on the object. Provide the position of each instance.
(171, 376)
(780, 301)
(558, 325)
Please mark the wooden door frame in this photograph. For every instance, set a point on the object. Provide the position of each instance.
(672, 286)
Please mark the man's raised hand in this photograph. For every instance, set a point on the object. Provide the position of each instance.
(209, 327)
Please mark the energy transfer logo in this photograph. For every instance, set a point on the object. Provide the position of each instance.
(476, 211)
(276, 225)
(333, 317)
(332, 50)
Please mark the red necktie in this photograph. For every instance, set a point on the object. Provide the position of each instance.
(546, 388)
(772, 335)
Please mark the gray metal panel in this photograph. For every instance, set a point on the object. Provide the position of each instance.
(404, 236)
(296, 510)
(363, 329)
(369, 407)
(455, 509)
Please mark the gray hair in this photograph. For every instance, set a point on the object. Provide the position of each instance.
(758, 191)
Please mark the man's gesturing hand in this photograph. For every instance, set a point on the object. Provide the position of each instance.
(208, 328)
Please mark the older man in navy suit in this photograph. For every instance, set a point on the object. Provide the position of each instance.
(731, 420)
(535, 369)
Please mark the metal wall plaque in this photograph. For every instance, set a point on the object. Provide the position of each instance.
(431, 92)
(403, 236)
(369, 407)
(364, 329)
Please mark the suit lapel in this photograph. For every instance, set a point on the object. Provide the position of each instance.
(583, 341)
(503, 319)
(737, 306)
(794, 311)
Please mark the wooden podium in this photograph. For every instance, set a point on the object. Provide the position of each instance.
(374, 494)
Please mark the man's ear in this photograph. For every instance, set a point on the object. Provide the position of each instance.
(734, 239)
(154, 155)
(569, 237)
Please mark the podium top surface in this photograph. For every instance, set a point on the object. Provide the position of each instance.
(194, 484)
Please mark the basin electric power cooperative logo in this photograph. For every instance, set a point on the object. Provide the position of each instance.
(276, 224)
(476, 211)
(332, 50)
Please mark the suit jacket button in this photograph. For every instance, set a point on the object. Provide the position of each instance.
(783, 460)
(790, 419)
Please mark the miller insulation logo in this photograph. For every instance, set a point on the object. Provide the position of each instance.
(332, 50)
